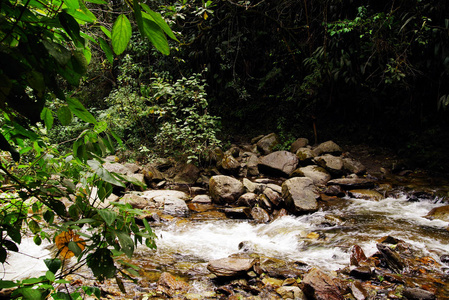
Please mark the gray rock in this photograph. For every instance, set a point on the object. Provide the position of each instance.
(229, 163)
(320, 286)
(275, 187)
(260, 215)
(188, 174)
(318, 175)
(202, 199)
(172, 202)
(267, 143)
(366, 194)
(230, 266)
(305, 155)
(300, 195)
(253, 187)
(328, 147)
(291, 292)
(279, 163)
(116, 168)
(418, 294)
(352, 183)
(225, 189)
(252, 165)
(274, 197)
(137, 201)
(247, 199)
(353, 166)
(333, 164)
(132, 167)
(299, 143)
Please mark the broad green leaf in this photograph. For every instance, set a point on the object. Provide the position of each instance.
(61, 296)
(47, 117)
(107, 50)
(50, 276)
(6, 284)
(132, 180)
(71, 26)
(97, 1)
(103, 173)
(64, 115)
(101, 264)
(107, 215)
(34, 226)
(11, 246)
(59, 52)
(92, 290)
(80, 111)
(156, 36)
(100, 127)
(75, 248)
(30, 294)
(37, 240)
(121, 34)
(49, 216)
(126, 243)
(157, 18)
(72, 4)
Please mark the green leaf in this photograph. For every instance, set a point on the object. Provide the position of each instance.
(92, 290)
(50, 276)
(101, 264)
(75, 248)
(132, 180)
(126, 243)
(59, 52)
(156, 36)
(107, 215)
(61, 296)
(3, 255)
(6, 284)
(34, 226)
(37, 240)
(121, 34)
(103, 173)
(157, 18)
(80, 111)
(64, 115)
(49, 216)
(30, 294)
(106, 31)
(100, 127)
(71, 26)
(72, 4)
(107, 50)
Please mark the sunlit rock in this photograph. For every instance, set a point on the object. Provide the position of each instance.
(318, 175)
(225, 189)
(352, 183)
(171, 286)
(278, 163)
(328, 147)
(260, 215)
(333, 164)
(305, 155)
(441, 213)
(366, 195)
(230, 266)
(300, 195)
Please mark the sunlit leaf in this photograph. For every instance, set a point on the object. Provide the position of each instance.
(157, 18)
(64, 115)
(107, 215)
(156, 36)
(47, 117)
(121, 34)
(80, 111)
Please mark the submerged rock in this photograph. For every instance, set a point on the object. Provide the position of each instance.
(171, 286)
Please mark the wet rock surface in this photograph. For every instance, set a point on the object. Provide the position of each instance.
(243, 186)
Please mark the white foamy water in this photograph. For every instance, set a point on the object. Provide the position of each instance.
(363, 222)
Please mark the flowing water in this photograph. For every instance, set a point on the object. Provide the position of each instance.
(321, 239)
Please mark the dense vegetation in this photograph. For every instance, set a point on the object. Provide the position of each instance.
(78, 78)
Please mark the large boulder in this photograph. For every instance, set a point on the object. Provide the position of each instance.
(230, 164)
(267, 143)
(279, 163)
(188, 174)
(353, 166)
(318, 175)
(328, 147)
(172, 202)
(231, 266)
(353, 183)
(305, 155)
(300, 195)
(440, 213)
(225, 189)
(320, 286)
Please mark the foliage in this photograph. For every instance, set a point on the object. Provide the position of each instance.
(187, 129)
(45, 51)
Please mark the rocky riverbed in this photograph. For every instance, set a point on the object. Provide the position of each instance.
(313, 222)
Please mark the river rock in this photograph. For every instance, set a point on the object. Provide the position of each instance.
(366, 195)
(172, 202)
(328, 147)
(272, 196)
(230, 164)
(267, 143)
(237, 212)
(305, 155)
(170, 285)
(391, 258)
(352, 183)
(320, 286)
(279, 162)
(278, 268)
(318, 175)
(299, 143)
(247, 199)
(205, 199)
(441, 213)
(418, 294)
(117, 168)
(358, 257)
(333, 164)
(138, 202)
(358, 291)
(188, 174)
(225, 189)
(363, 272)
(230, 266)
(253, 187)
(291, 292)
(300, 195)
(260, 215)
(353, 166)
